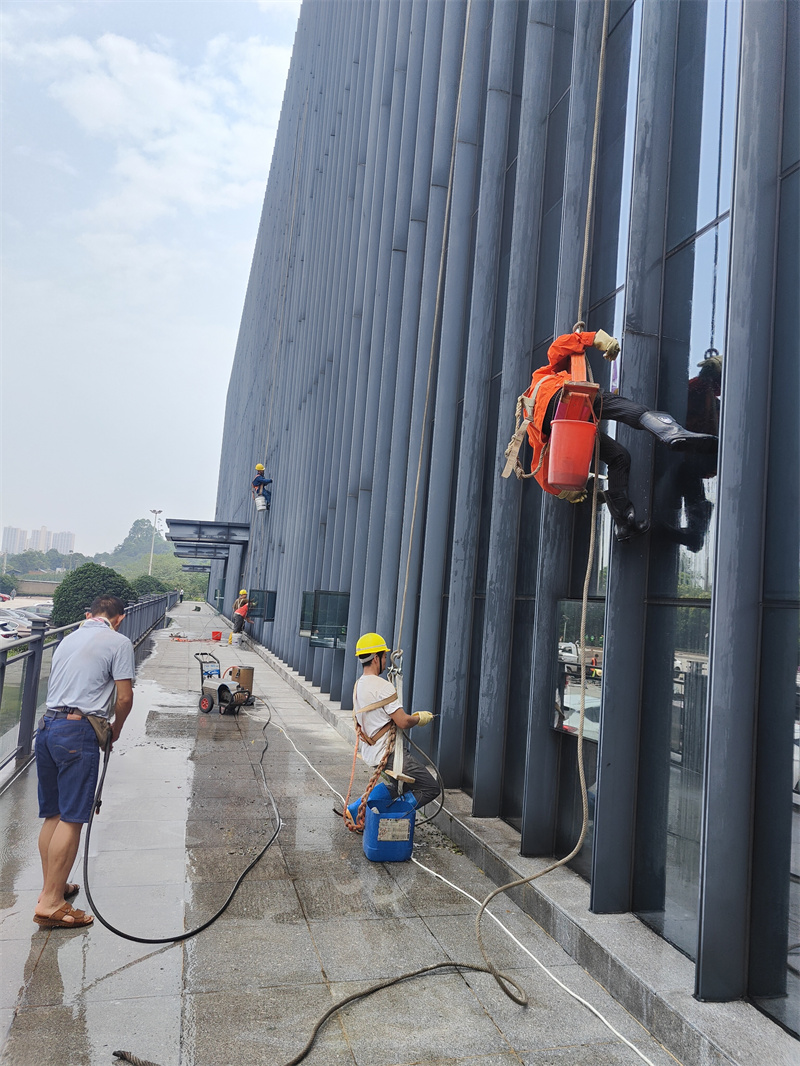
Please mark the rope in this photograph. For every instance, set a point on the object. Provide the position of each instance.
(298, 154)
(578, 327)
(499, 977)
(601, 69)
(436, 328)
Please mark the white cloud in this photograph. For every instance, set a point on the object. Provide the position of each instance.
(198, 137)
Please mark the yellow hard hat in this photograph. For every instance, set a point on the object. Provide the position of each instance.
(370, 644)
(242, 592)
(259, 466)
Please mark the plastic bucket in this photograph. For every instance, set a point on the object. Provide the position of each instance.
(570, 455)
(216, 634)
(389, 833)
(261, 503)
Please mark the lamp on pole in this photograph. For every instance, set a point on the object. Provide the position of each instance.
(155, 515)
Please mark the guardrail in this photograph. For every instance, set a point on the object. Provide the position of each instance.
(25, 671)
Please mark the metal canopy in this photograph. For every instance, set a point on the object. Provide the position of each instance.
(186, 530)
(201, 551)
(191, 568)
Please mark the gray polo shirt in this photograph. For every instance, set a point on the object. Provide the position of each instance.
(85, 666)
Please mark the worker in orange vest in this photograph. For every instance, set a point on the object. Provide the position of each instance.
(543, 396)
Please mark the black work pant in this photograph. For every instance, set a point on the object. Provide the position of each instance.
(607, 405)
(425, 787)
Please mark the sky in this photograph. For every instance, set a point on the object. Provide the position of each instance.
(136, 144)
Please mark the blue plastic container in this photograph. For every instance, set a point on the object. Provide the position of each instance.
(379, 795)
(389, 829)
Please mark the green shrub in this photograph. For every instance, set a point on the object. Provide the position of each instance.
(79, 588)
(147, 585)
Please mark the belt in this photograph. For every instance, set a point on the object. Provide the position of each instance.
(61, 712)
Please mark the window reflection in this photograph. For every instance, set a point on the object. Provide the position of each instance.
(567, 699)
(668, 820)
(700, 174)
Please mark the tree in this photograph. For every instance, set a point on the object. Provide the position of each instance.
(7, 583)
(145, 585)
(137, 542)
(72, 597)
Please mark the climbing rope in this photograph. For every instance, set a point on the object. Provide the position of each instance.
(587, 231)
(395, 671)
(500, 978)
(578, 327)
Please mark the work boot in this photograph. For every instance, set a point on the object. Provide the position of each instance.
(663, 426)
(624, 514)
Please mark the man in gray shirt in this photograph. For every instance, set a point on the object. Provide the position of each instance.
(91, 675)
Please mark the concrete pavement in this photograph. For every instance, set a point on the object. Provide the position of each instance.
(185, 810)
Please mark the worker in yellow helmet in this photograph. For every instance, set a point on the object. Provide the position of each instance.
(376, 708)
(240, 608)
(259, 484)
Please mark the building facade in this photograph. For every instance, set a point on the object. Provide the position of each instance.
(422, 243)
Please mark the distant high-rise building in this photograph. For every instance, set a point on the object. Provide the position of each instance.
(14, 540)
(40, 540)
(64, 542)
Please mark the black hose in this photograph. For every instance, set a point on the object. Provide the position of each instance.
(192, 932)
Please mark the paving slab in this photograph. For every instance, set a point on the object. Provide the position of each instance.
(187, 808)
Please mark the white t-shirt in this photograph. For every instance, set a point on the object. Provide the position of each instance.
(372, 689)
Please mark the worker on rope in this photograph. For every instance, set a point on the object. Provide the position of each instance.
(241, 606)
(378, 715)
(539, 404)
(259, 484)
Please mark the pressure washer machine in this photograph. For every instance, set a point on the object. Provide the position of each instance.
(215, 688)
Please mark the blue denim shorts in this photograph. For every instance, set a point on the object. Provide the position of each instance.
(67, 762)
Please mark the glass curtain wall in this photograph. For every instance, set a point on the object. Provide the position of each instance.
(774, 977)
(684, 488)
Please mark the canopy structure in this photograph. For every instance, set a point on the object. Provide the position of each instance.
(190, 531)
(201, 551)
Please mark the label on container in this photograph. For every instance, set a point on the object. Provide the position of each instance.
(394, 829)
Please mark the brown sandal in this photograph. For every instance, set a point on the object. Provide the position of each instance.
(58, 919)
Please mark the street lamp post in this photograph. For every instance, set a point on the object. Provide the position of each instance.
(155, 515)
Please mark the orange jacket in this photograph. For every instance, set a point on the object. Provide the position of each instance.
(546, 382)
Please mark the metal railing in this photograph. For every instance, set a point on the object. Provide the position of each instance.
(25, 671)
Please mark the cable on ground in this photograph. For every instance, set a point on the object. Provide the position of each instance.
(199, 929)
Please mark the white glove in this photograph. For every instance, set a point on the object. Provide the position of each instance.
(609, 346)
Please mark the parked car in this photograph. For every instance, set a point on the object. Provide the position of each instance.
(40, 611)
(568, 655)
(591, 720)
(4, 596)
(14, 625)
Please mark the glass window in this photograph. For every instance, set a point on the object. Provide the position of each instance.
(562, 49)
(774, 978)
(567, 667)
(329, 620)
(615, 162)
(791, 97)
(690, 379)
(666, 875)
(703, 116)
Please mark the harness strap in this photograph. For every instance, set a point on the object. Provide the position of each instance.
(370, 740)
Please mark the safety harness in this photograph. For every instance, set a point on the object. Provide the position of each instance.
(357, 826)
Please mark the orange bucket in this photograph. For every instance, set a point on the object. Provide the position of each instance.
(570, 455)
(216, 634)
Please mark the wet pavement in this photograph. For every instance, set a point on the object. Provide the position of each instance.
(185, 810)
